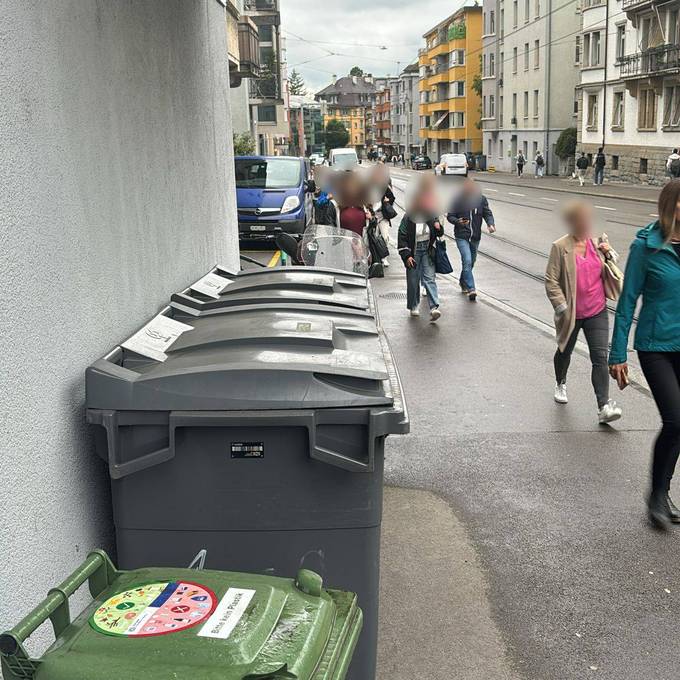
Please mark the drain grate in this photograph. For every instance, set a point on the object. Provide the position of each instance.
(394, 296)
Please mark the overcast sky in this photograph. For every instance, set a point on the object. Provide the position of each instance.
(358, 27)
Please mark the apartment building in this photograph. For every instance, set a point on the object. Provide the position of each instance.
(383, 115)
(529, 78)
(629, 55)
(449, 107)
(347, 99)
(404, 113)
(306, 127)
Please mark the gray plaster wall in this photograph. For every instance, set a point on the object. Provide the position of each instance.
(116, 188)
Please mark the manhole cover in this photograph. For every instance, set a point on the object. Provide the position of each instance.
(394, 296)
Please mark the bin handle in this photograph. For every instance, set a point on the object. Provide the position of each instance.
(97, 569)
(119, 469)
(307, 419)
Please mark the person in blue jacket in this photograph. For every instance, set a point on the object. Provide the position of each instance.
(653, 272)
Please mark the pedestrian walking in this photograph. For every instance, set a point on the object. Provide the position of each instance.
(395, 159)
(466, 214)
(383, 204)
(653, 272)
(539, 160)
(521, 161)
(575, 284)
(418, 232)
(582, 164)
(354, 212)
(673, 164)
(598, 165)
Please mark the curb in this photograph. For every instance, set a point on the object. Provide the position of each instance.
(652, 201)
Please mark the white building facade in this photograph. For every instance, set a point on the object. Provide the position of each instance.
(630, 86)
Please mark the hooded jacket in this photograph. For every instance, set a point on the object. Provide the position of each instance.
(653, 271)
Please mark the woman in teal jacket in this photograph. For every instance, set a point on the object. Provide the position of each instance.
(653, 272)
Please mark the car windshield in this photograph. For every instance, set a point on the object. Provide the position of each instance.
(267, 173)
(345, 160)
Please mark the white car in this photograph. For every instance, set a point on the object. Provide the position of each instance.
(343, 159)
(454, 164)
(316, 159)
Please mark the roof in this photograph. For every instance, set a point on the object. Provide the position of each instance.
(347, 89)
(468, 4)
(411, 68)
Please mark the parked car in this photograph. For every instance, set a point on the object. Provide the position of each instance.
(273, 195)
(454, 164)
(317, 159)
(422, 163)
(343, 159)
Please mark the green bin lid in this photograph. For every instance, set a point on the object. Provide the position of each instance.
(160, 623)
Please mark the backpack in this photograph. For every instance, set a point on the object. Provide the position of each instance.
(540, 161)
(582, 163)
(675, 167)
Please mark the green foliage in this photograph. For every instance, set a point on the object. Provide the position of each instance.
(244, 144)
(356, 71)
(477, 89)
(337, 135)
(565, 146)
(296, 84)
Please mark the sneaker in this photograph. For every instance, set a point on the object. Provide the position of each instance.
(385, 262)
(463, 289)
(435, 314)
(609, 413)
(561, 394)
(414, 312)
(472, 296)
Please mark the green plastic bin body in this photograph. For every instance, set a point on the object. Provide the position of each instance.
(162, 623)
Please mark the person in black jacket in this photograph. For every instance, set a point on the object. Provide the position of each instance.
(416, 242)
(466, 214)
(598, 164)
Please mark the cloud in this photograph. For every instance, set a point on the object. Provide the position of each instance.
(357, 29)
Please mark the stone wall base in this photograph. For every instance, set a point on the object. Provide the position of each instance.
(629, 163)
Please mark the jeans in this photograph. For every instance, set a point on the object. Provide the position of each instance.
(520, 170)
(596, 330)
(581, 174)
(468, 257)
(662, 371)
(423, 273)
(599, 175)
(539, 171)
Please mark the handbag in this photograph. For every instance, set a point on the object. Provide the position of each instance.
(612, 278)
(388, 211)
(376, 243)
(442, 264)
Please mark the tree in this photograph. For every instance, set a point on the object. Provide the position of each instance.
(244, 144)
(337, 135)
(356, 71)
(296, 84)
(565, 147)
(477, 89)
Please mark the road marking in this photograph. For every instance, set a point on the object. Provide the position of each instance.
(552, 200)
(604, 207)
(653, 215)
(496, 190)
(275, 259)
(512, 193)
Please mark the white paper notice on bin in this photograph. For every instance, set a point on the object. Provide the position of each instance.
(228, 613)
(211, 285)
(156, 337)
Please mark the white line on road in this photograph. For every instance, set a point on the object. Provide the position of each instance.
(604, 207)
(512, 193)
(552, 200)
(653, 215)
(496, 190)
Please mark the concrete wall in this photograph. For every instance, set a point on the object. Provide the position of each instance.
(116, 188)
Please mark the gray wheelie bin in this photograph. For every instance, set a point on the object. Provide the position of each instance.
(257, 431)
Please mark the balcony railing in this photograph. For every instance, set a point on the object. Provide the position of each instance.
(248, 47)
(634, 4)
(659, 60)
(260, 5)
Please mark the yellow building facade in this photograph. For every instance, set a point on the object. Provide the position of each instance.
(353, 118)
(449, 63)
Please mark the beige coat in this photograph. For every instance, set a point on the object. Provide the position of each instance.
(560, 284)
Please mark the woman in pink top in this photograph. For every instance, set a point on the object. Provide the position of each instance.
(574, 281)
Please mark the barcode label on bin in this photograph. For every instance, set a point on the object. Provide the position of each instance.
(211, 285)
(229, 612)
(247, 450)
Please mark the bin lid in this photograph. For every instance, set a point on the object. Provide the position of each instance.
(251, 357)
(221, 287)
(161, 623)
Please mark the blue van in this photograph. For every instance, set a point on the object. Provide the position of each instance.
(273, 195)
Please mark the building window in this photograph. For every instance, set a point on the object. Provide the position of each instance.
(492, 64)
(526, 56)
(458, 88)
(673, 27)
(492, 106)
(265, 32)
(643, 166)
(534, 149)
(537, 53)
(500, 148)
(502, 26)
(527, 11)
(458, 120)
(525, 149)
(615, 162)
(514, 14)
(500, 111)
(617, 110)
(671, 108)
(537, 9)
(492, 22)
(266, 113)
(577, 51)
(514, 60)
(514, 106)
(591, 49)
(526, 103)
(484, 73)
(535, 103)
(483, 107)
(457, 58)
(647, 109)
(592, 119)
(620, 42)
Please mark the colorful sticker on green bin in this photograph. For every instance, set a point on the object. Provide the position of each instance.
(154, 609)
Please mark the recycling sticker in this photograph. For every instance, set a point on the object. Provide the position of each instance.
(154, 609)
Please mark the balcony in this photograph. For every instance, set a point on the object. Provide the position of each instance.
(655, 61)
(261, 5)
(248, 49)
(635, 5)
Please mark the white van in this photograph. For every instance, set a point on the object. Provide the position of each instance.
(343, 159)
(454, 164)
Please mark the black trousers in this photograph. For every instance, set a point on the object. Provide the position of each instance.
(662, 371)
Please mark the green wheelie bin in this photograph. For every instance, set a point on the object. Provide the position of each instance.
(161, 623)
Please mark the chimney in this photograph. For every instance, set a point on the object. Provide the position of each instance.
(354, 80)
(368, 78)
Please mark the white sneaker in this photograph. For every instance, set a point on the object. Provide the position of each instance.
(435, 314)
(561, 394)
(385, 262)
(414, 312)
(609, 413)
